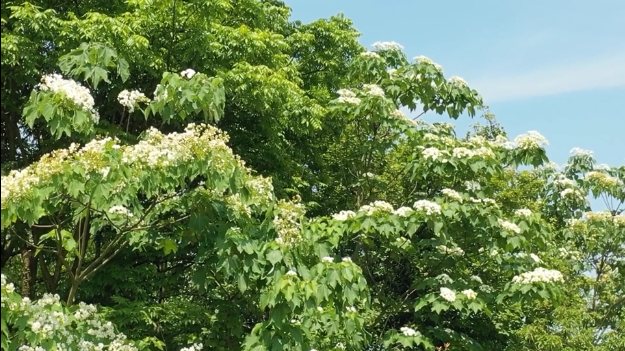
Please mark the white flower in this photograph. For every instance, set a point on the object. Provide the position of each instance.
(477, 279)
(539, 275)
(444, 279)
(580, 152)
(429, 207)
(457, 81)
(340, 345)
(377, 207)
(432, 153)
(129, 99)
(472, 185)
(524, 212)
(327, 259)
(188, 73)
(370, 54)
(470, 294)
(452, 194)
(509, 226)
(462, 152)
(387, 46)
(320, 309)
(531, 140)
(72, 91)
(351, 309)
(347, 259)
(291, 273)
(535, 258)
(120, 210)
(454, 251)
(409, 332)
(343, 215)
(423, 60)
(404, 211)
(373, 90)
(448, 294)
(348, 97)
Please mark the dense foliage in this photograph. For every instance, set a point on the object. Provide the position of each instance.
(271, 193)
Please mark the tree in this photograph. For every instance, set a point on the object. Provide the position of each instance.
(270, 193)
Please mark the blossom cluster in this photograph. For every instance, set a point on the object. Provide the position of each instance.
(129, 99)
(453, 251)
(509, 226)
(347, 96)
(370, 54)
(287, 222)
(539, 275)
(452, 194)
(470, 294)
(387, 46)
(72, 91)
(409, 332)
(81, 330)
(448, 294)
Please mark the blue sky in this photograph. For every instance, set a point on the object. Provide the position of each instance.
(555, 66)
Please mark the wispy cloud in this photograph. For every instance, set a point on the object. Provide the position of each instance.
(597, 73)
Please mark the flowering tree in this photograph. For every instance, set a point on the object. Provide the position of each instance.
(372, 229)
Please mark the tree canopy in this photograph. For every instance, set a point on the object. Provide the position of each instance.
(209, 174)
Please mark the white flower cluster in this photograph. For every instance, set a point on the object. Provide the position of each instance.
(581, 152)
(387, 46)
(71, 90)
(398, 114)
(287, 222)
(370, 54)
(523, 213)
(444, 279)
(486, 288)
(291, 273)
(599, 217)
(423, 60)
(457, 81)
(377, 207)
(448, 294)
(327, 259)
(452, 194)
(433, 153)
(453, 251)
(343, 215)
(351, 309)
(373, 90)
(348, 97)
(531, 141)
(603, 179)
(470, 294)
(129, 99)
(472, 185)
(83, 330)
(120, 210)
(409, 332)
(539, 275)
(194, 347)
(188, 73)
(509, 226)
(403, 211)
(476, 278)
(429, 207)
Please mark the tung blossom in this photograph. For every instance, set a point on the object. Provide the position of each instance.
(448, 294)
(71, 90)
(539, 275)
(188, 73)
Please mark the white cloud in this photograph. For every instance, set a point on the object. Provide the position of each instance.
(599, 73)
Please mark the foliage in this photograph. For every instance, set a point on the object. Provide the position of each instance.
(272, 194)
